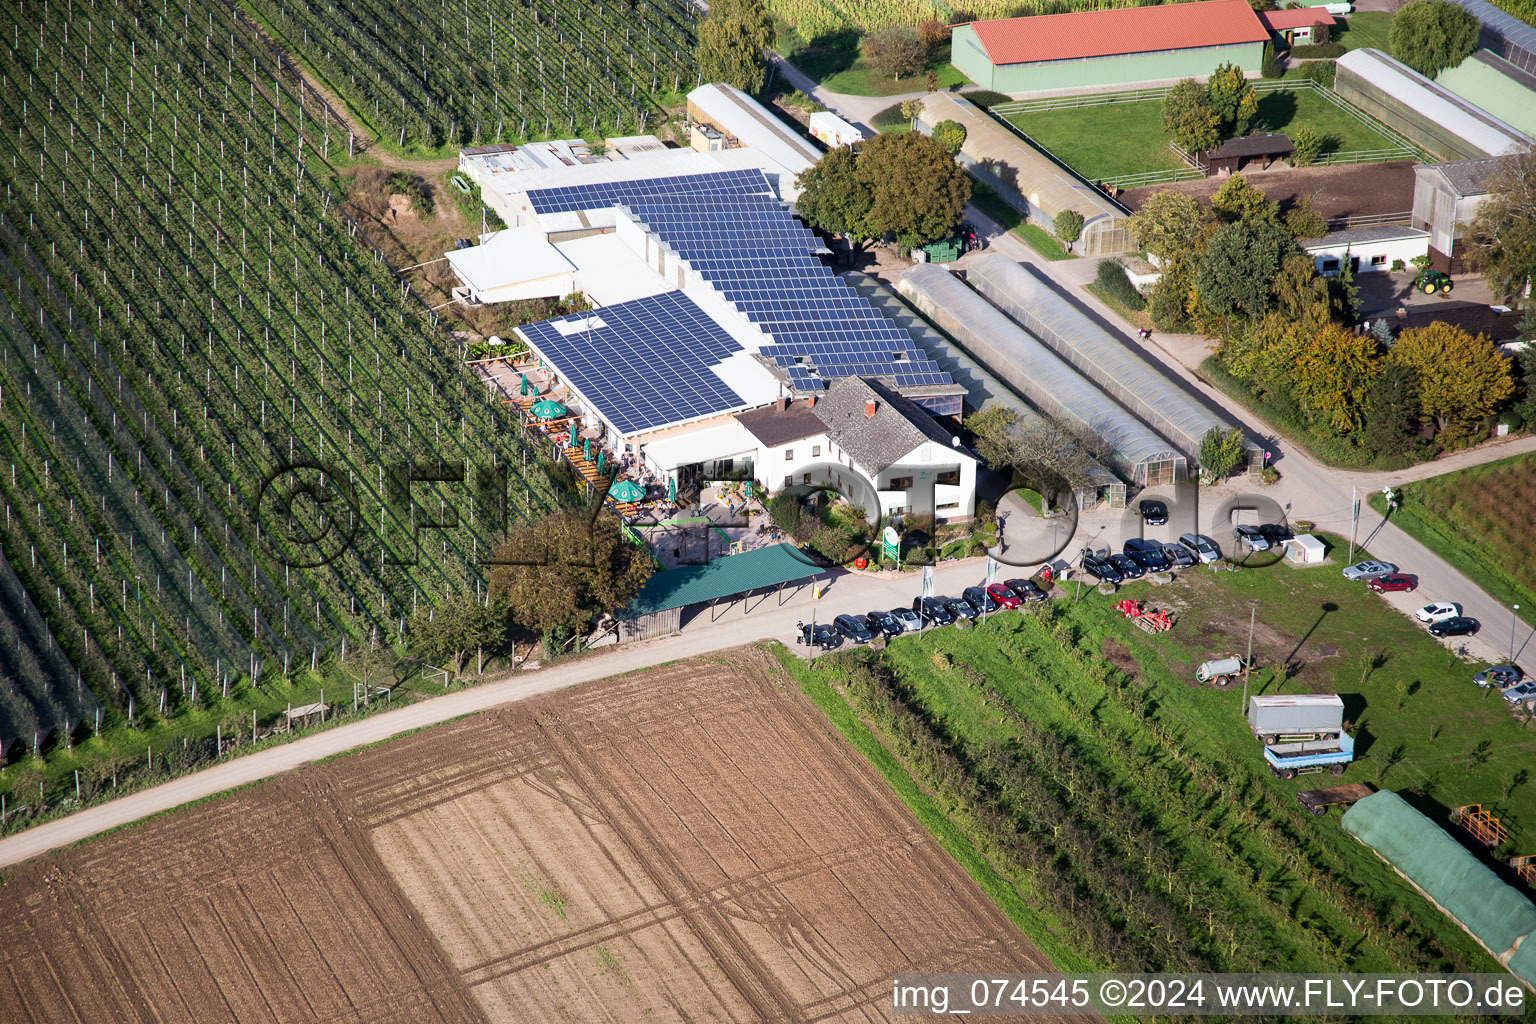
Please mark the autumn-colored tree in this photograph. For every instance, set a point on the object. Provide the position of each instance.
(896, 51)
(1462, 377)
(1168, 224)
(1237, 199)
(1189, 118)
(933, 34)
(1501, 241)
(1301, 294)
(1333, 373)
(566, 568)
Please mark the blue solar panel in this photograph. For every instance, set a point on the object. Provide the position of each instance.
(644, 363)
(602, 194)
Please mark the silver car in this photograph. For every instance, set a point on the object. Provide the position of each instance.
(1199, 545)
(1524, 693)
(1368, 570)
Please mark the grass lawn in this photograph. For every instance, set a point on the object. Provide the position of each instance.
(1128, 138)
(1072, 754)
(1098, 142)
(1479, 520)
(1037, 238)
(836, 63)
(1139, 318)
(1367, 29)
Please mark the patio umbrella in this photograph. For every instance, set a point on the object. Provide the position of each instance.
(523, 386)
(570, 437)
(746, 489)
(602, 463)
(548, 409)
(672, 492)
(626, 490)
(586, 448)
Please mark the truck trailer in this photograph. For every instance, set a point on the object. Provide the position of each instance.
(1298, 718)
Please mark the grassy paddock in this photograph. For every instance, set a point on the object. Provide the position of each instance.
(1366, 29)
(836, 62)
(1076, 754)
(1479, 520)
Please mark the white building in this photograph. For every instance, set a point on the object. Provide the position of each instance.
(1368, 249)
(735, 119)
(1445, 200)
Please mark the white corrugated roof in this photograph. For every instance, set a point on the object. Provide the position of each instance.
(1466, 120)
(506, 258)
(733, 110)
(1298, 700)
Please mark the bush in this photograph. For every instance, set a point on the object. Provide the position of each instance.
(1319, 50)
(985, 98)
(785, 511)
(890, 117)
(1068, 225)
(415, 187)
(1117, 285)
(1319, 71)
(1270, 67)
(950, 135)
(1308, 143)
(831, 543)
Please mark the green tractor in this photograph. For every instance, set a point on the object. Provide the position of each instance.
(1431, 281)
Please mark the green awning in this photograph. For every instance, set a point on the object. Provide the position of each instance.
(723, 577)
(626, 490)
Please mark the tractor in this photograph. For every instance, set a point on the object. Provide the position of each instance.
(1431, 281)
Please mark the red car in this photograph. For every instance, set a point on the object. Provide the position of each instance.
(1394, 581)
(1003, 596)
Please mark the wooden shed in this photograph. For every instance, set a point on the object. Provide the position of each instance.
(1235, 154)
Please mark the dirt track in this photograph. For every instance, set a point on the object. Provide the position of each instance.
(1348, 190)
(690, 842)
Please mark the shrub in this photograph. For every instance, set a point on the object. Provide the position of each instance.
(415, 187)
(1308, 143)
(1068, 225)
(890, 117)
(785, 511)
(831, 543)
(1319, 71)
(950, 135)
(1318, 50)
(985, 98)
(1270, 67)
(1117, 285)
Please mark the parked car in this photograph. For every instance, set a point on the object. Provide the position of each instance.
(1127, 567)
(907, 619)
(819, 634)
(882, 624)
(960, 608)
(1393, 581)
(1368, 570)
(932, 611)
(1146, 553)
(1276, 533)
(978, 598)
(1027, 590)
(1461, 625)
(1153, 513)
(1199, 545)
(1101, 570)
(1178, 555)
(1251, 536)
(1437, 612)
(1004, 595)
(853, 627)
(1524, 693)
(1500, 676)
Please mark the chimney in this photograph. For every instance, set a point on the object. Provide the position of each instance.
(869, 408)
(810, 402)
(781, 403)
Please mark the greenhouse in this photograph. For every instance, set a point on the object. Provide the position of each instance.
(982, 389)
(1429, 115)
(1105, 360)
(1040, 376)
(1027, 178)
(1504, 34)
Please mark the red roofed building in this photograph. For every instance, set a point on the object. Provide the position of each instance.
(1295, 25)
(1093, 48)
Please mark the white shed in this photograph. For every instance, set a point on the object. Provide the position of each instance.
(1305, 550)
(1368, 249)
(833, 130)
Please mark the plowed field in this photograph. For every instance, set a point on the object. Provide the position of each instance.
(685, 843)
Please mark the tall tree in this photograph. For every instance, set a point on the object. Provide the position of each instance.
(917, 190)
(1168, 224)
(451, 630)
(1462, 377)
(1334, 372)
(1220, 452)
(1432, 35)
(1237, 199)
(1234, 274)
(833, 197)
(896, 51)
(734, 38)
(1301, 294)
(1392, 411)
(566, 569)
(1189, 118)
(1233, 98)
(1068, 225)
(1501, 241)
(1344, 292)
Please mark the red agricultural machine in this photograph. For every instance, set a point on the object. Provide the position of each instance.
(1151, 620)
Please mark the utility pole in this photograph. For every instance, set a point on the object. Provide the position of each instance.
(1354, 521)
(1514, 620)
(1253, 613)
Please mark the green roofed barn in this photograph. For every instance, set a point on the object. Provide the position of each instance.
(1497, 915)
(1096, 48)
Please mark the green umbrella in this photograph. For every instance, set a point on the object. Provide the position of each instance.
(672, 491)
(586, 448)
(602, 463)
(626, 490)
(548, 409)
(746, 489)
(523, 387)
(570, 437)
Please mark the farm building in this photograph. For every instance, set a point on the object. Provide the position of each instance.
(1028, 178)
(1385, 247)
(1104, 359)
(1427, 114)
(1040, 376)
(1505, 34)
(1500, 917)
(1499, 324)
(1094, 48)
(833, 130)
(1235, 154)
(724, 117)
(1445, 200)
(1296, 26)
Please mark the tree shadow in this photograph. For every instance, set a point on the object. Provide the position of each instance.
(1275, 110)
(826, 55)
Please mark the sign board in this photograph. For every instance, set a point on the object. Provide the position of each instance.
(890, 544)
(991, 570)
(927, 581)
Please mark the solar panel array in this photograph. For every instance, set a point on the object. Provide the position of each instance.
(644, 363)
(737, 236)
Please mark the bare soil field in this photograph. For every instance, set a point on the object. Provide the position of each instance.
(1348, 190)
(686, 843)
